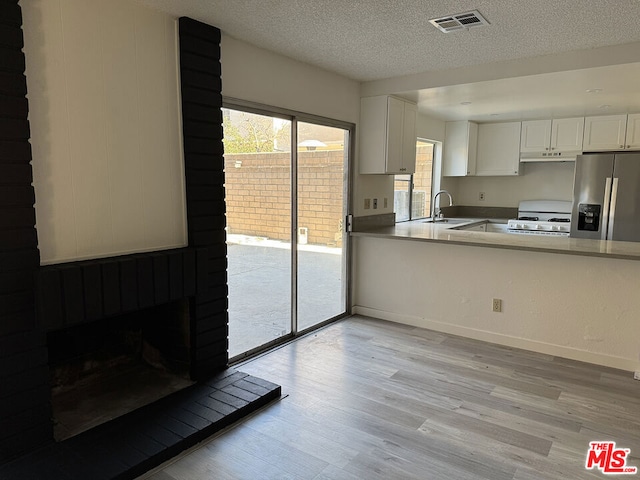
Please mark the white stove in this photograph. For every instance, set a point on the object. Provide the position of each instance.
(542, 217)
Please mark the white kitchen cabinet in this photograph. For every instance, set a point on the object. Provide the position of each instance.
(535, 136)
(604, 132)
(460, 149)
(387, 135)
(552, 137)
(498, 149)
(632, 138)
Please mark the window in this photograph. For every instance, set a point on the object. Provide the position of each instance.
(412, 193)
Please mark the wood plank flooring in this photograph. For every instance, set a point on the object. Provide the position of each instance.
(368, 399)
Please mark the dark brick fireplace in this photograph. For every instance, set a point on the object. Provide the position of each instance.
(37, 303)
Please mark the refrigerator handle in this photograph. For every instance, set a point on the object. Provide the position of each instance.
(612, 208)
(605, 207)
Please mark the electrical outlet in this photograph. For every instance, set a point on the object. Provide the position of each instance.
(386, 202)
(375, 203)
(496, 305)
(481, 196)
(367, 203)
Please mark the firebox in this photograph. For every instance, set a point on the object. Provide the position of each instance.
(107, 368)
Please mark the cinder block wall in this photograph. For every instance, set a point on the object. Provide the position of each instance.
(258, 195)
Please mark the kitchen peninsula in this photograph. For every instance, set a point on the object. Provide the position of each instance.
(572, 298)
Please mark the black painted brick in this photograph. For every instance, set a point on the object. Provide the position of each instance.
(145, 282)
(193, 78)
(11, 36)
(111, 288)
(11, 14)
(15, 174)
(73, 294)
(205, 97)
(15, 152)
(209, 48)
(194, 111)
(196, 162)
(16, 195)
(13, 83)
(13, 128)
(129, 285)
(50, 308)
(92, 286)
(198, 29)
(176, 275)
(161, 279)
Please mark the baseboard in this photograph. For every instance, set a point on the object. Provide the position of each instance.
(501, 339)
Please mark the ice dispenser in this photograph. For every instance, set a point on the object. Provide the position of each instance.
(589, 217)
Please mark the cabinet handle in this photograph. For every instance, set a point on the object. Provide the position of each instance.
(547, 148)
(628, 146)
(621, 146)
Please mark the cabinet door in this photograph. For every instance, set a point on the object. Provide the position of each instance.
(409, 138)
(395, 118)
(535, 136)
(373, 134)
(632, 141)
(460, 144)
(606, 132)
(567, 134)
(498, 149)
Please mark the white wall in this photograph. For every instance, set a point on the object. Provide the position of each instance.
(105, 123)
(552, 181)
(254, 74)
(585, 308)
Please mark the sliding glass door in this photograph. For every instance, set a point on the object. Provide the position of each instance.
(286, 197)
(321, 285)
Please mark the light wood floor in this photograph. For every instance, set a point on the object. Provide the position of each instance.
(367, 399)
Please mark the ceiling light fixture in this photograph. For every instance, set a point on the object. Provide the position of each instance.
(604, 106)
(465, 103)
(594, 90)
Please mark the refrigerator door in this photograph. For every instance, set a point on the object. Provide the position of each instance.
(591, 193)
(624, 216)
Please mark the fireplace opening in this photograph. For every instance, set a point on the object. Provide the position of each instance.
(107, 368)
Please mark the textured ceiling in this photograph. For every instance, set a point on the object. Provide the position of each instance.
(375, 39)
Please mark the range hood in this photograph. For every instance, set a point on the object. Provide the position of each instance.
(567, 156)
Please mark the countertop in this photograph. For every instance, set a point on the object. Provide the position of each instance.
(419, 230)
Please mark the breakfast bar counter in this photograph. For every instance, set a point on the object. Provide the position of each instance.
(423, 231)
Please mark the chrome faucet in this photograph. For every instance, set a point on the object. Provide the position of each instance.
(438, 213)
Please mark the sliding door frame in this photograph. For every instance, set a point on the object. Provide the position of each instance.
(295, 117)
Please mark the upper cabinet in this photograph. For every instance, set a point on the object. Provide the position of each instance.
(498, 149)
(387, 135)
(612, 132)
(551, 140)
(459, 149)
(632, 140)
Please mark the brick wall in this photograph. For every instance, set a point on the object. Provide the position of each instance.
(258, 195)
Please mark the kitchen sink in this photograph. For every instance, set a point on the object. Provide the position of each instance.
(483, 226)
(451, 221)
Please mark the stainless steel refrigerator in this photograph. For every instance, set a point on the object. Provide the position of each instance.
(606, 197)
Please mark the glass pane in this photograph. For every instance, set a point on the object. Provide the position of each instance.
(401, 197)
(322, 152)
(258, 197)
(421, 204)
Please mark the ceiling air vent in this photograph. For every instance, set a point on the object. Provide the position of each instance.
(460, 21)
